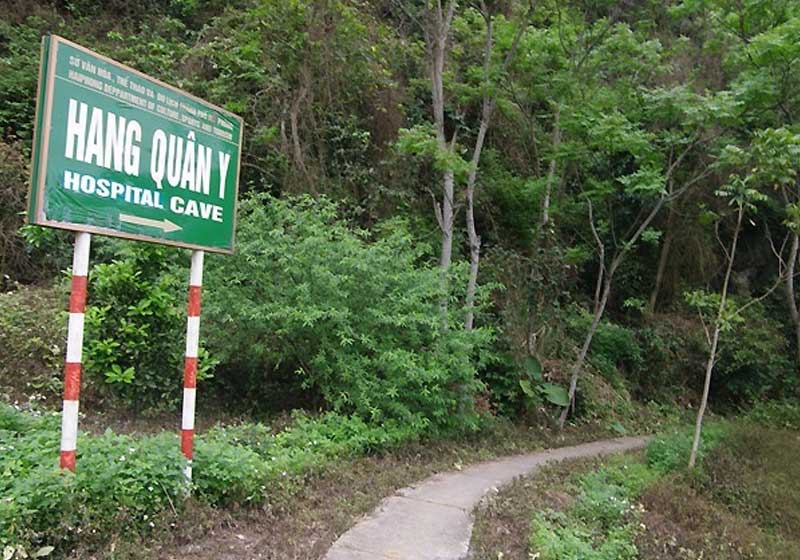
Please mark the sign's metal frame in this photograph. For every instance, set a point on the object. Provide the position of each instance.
(41, 142)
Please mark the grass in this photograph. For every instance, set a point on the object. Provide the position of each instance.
(745, 503)
(742, 503)
(503, 522)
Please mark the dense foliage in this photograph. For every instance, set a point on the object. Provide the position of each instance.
(600, 191)
(577, 207)
(354, 320)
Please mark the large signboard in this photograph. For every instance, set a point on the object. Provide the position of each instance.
(119, 153)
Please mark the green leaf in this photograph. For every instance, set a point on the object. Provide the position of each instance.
(618, 428)
(42, 552)
(527, 388)
(533, 367)
(555, 394)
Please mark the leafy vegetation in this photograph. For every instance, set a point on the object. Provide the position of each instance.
(301, 300)
(740, 502)
(578, 212)
(604, 520)
(130, 480)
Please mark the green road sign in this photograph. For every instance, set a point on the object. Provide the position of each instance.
(119, 153)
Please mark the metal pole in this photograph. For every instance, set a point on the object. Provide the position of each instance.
(190, 364)
(72, 367)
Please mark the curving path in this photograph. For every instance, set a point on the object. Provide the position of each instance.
(432, 520)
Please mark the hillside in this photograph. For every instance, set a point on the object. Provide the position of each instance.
(574, 218)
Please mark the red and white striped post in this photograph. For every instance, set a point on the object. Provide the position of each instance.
(72, 368)
(190, 365)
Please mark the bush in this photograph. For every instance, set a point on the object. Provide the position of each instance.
(136, 325)
(615, 349)
(236, 463)
(126, 481)
(15, 261)
(754, 360)
(602, 523)
(18, 63)
(556, 542)
(670, 452)
(227, 472)
(122, 481)
(32, 332)
(782, 415)
(312, 302)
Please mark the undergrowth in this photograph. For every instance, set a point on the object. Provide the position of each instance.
(604, 520)
(128, 481)
(742, 501)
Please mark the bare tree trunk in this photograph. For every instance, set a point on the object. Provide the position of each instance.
(293, 120)
(662, 263)
(791, 296)
(486, 118)
(712, 354)
(663, 258)
(551, 173)
(472, 233)
(299, 160)
(601, 253)
(437, 31)
(587, 343)
(446, 257)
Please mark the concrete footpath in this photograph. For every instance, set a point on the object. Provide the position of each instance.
(432, 520)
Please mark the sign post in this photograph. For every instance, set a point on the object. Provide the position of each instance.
(119, 153)
(74, 359)
(190, 364)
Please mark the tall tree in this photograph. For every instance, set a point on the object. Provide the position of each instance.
(633, 159)
(742, 197)
(437, 22)
(488, 104)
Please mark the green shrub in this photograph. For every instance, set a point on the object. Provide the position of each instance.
(783, 415)
(754, 360)
(675, 349)
(227, 472)
(670, 452)
(136, 325)
(554, 542)
(32, 332)
(19, 61)
(615, 349)
(122, 481)
(627, 479)
(316, 304)
(16, 263)
(234, 463)
(603, 504)
(602, 523)
(126, 481)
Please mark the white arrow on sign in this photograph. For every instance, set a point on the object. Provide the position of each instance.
(164, 224)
